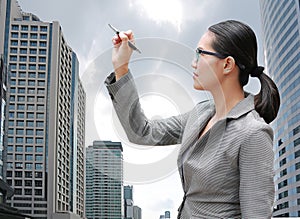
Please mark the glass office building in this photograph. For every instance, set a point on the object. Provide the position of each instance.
(104, 180)
(45, 122)
(281, 27)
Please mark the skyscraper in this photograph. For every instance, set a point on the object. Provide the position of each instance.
(104, 180)
(45, 121)
(281, 27)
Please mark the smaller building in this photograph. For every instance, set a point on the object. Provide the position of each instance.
(137, 212)
(104, 180)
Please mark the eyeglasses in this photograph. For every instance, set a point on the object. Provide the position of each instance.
(220, 56)
(201, 51)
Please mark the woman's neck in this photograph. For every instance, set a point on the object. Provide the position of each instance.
(225, 100)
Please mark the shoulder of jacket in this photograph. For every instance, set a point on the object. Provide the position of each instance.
(253, 123)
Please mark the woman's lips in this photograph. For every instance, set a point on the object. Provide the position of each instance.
(195, 75)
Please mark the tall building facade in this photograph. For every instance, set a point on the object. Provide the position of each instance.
(281, 27)
(45, 122)
(104, 180)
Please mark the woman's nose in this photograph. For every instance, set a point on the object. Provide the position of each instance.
(194, 64)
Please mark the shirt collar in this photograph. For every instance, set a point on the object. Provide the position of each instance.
(244, 106)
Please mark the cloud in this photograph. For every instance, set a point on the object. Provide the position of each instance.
(161, 12)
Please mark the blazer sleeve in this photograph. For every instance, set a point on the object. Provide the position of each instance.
(138, 128)
(256, 161)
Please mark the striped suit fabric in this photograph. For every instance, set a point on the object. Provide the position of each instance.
(227, 173)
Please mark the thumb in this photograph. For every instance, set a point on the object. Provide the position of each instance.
(123, 37)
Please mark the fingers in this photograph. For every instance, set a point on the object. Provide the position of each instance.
(123, 36)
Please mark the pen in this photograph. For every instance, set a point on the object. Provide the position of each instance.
(130, 44)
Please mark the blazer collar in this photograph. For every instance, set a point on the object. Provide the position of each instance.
(244, 106)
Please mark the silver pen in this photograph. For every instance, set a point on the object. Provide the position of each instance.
(130, 44)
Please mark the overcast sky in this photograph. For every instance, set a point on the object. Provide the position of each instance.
(167, 32)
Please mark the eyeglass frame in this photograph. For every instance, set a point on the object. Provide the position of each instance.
(220, 56)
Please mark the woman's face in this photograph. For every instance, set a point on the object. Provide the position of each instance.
(208, 69)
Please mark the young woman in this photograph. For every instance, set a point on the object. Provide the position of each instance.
(226, 158)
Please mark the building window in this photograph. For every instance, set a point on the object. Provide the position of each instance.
(43, 36)
(21, 90)
(21, 106)
(19, 148)
(19, 140)
(23, 59)
(282, 184)
(31, 83)
(24, 43)
(42, 51)
(39, 132)
(19, 156)
(18, 191)
(28, 183)
(14, 35)
(42, 59)
(13, 58)
(28, 174)
(32, 59)
(15, 27)
(38, 166)
(20, 123)
(38, 192)
(29, 140)
(28, 166)
(43, 44)
(38, 183)
(39, 115)
(38, 157)
(30, 107)
(38, 174)
(283, 195)
(19, 165)
(41, 75)
(42, 67)
(32, 67)
(30, 115)
(13, 66)
(28, 157)
(13, 50)
(28, 191)
(297, 142)
(26, 18)
(29, 123)
(29, 149)
(24, 35)
(32, 51)
(18, 174)
(24, 27)
(20, 115)
(39, 149)
(34, 28)
(283, 206)
(29, 132)
(43, 28)
(33, 36)
(297, 154)
(31, 91)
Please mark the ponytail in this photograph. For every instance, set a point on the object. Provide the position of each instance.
(267, 101)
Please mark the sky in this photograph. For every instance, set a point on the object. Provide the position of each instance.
(167, 32)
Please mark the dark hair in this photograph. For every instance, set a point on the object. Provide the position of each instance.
(236, 39)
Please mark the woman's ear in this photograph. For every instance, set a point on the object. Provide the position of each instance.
(229, 64)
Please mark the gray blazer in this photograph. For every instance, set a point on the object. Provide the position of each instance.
(227, 173)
